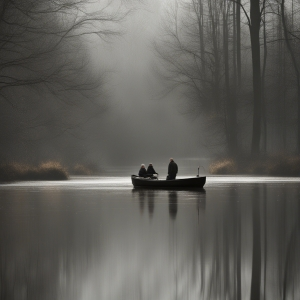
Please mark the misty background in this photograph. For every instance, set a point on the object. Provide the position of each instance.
(120, 83)
(143, 125)
(102, 103)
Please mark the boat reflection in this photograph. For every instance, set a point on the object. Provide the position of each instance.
(145, 196)
(173, 204)
(142, 199)
(149, 196)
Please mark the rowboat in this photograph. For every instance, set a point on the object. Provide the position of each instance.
(194, 182)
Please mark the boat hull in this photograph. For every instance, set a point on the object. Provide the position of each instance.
(195, 182)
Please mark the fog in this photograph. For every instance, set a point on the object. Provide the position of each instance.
(129, 120)
(120, 83)
(143, 124)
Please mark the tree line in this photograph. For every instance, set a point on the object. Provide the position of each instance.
(48, 90)
(237, 65)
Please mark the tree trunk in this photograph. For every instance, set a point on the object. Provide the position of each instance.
(234, 45)
(255, 19)
(216, 50)
(295, 67)
(230, 103)
(264, 110)
(235, 80)
(284, 121)
(227, 88)
(281, 85)
(201, 35)
(238, 42)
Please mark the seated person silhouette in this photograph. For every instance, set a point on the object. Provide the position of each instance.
(142, 171)
(151, 171)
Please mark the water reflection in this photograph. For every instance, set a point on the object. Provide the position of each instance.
(151, 198)
(173, 204)
(145, 196)
(142, 199)
(150, 195)
(256, 244)
(237, 241)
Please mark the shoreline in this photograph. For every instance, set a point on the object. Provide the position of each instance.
(277, 165)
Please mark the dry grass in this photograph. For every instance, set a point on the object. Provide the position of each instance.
(223, 166)
(276, 165)
(45, 171)
(283, 166)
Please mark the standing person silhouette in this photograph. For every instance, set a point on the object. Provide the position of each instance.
(172, 170)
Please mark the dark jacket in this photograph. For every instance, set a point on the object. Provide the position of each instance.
(142, 172)
(173, 168)
(150, 170)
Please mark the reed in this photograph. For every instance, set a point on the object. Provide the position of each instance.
(50, 170)
(80, 169)
(275, 165)
(224, 166)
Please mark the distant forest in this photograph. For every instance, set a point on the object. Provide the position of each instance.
(238, 64)
(48, 90)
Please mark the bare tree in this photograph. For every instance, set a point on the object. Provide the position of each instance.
(32, 32)
(203, 49)
(47, 87)
(197, 64)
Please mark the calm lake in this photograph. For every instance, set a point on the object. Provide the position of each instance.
(98, 238)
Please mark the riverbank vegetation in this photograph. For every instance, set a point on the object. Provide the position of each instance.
(45, 171)
(276, 165)
(84, 169)
(51, 170)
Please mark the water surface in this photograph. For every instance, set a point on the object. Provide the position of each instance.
(98, 238)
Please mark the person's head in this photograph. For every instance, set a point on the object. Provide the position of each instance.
(171, 159)
(142, 166)
(150, 165)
